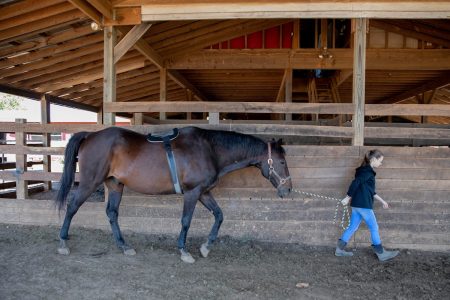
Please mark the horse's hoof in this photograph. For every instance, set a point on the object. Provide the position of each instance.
(187, 258)
(204, 250)
(129, 252)
(64, 251)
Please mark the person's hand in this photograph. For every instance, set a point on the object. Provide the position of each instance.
(385, 204)
(345, 201)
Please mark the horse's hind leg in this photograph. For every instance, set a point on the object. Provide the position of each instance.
(82, 193)
(112, 211)
(210, 203)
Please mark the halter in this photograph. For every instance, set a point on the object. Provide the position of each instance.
(272, 169)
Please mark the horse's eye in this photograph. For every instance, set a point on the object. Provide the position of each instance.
(282, 162)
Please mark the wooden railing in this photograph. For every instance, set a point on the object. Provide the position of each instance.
(400, 133)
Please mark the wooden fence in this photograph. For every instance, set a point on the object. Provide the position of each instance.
(415, 180)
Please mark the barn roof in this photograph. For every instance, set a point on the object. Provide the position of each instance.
(222, 53)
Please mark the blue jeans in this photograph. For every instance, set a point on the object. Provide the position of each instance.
(359, 214)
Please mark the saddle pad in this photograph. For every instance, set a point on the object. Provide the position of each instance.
(163, 136)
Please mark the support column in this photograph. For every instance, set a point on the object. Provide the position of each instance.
(21, 163)
(46, 139)
(109, 72)
(162, 90)
(288, 91)
(188, 98)
(137, 119)
(359, 79)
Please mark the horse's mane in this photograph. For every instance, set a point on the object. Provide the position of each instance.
(248, 144)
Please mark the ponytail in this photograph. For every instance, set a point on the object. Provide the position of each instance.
(375, 153)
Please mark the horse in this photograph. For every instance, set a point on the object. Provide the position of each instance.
(120, 157)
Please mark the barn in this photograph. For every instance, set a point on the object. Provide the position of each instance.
(332, 78)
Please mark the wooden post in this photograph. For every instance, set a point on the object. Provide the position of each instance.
(296, 35)
(188, 98)
(46, 139)
(288, 91)
(137, 119)
(109, 72)
(100, 116)
(21, 164)
(359, 78)
(213, 118)
(162, 90)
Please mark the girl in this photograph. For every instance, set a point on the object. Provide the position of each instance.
(361, 193)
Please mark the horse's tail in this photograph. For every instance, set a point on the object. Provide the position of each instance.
(70, 165)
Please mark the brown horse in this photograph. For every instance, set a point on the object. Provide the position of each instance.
(120, 157)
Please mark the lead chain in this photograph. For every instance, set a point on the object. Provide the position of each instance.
(345, 213)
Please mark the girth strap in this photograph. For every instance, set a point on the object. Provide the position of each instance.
(166, 138)
(172, 165)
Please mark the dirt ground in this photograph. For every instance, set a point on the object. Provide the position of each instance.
(30, 268)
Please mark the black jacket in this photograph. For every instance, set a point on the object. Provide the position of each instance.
(362, 188)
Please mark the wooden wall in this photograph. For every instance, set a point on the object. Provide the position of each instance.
(415, 181)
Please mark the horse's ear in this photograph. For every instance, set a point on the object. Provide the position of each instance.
(280, 142)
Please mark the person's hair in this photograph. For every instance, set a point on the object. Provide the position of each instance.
(375, 153)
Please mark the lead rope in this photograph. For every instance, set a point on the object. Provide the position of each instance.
(345, 213)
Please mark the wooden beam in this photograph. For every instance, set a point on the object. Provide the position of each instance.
(376, 59)
(109, 78)
(104, 7)
(433, 84)
(129, 40)
(414, 30)
(359, 80)
(280, 107)
(144, 48)
(88, 10)
(124, 16)
(36, 15)
(201, 10)
(41, 25)
(23, 7)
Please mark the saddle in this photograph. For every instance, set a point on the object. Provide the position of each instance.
(166, 137)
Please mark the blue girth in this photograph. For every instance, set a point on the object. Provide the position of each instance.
(166, 138)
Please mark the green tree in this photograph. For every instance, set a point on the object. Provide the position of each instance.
(10, 102)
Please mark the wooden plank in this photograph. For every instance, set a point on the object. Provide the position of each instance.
(359, 80)
(162, 90)
(35, 15)
(271, 107)
(40, 25)
(376, 59)
(46, 139)
(125, 16)
(129, 40)
(21, 167)
(88, 10)
(265, 129)
(23, 7)
(288, 91)
(103, 6)
(181, 10)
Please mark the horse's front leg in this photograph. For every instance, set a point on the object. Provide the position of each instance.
(210, 203)
(112, 211)
(190, 199)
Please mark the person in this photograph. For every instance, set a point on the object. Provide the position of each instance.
(361, 195)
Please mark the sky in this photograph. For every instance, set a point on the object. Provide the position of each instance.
(31, 111)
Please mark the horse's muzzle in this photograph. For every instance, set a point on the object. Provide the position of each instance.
(283, 191)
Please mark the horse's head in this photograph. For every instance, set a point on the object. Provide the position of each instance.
(275, 168)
